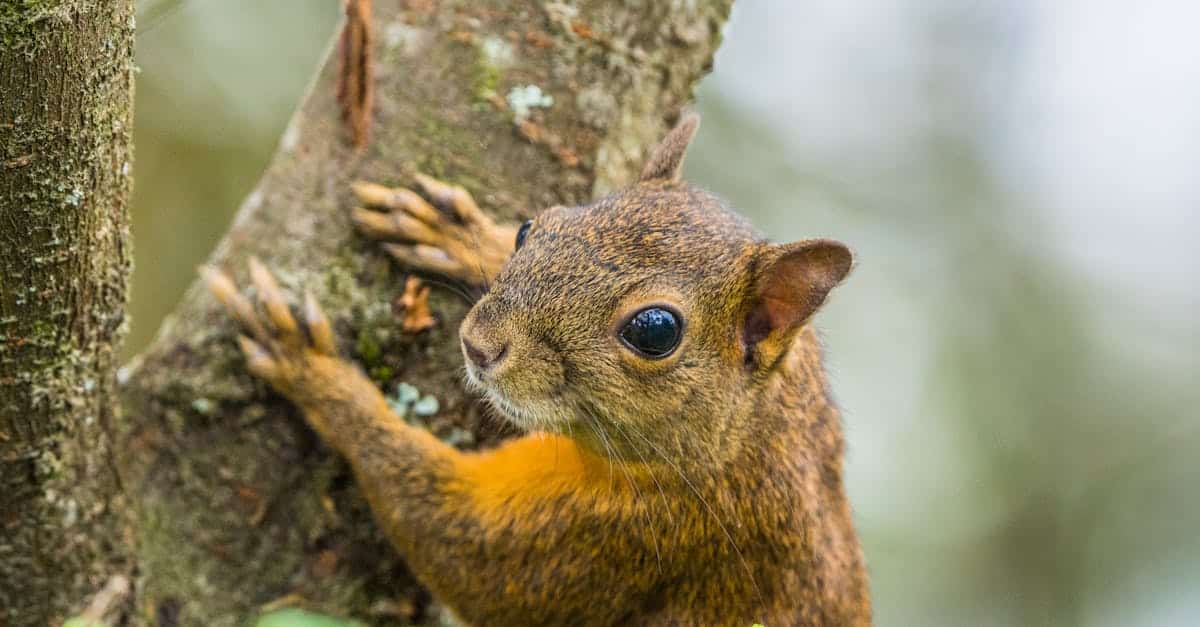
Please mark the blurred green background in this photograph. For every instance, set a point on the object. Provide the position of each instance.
(1016, 352)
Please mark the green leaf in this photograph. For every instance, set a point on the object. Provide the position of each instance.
(79, 621)
(295, 617)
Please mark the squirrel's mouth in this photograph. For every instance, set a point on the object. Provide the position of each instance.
(511, 411)
(527, 406)
(519, 416)
(538, 415)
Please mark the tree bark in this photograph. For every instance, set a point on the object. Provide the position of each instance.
(237, 502)
(66, 87)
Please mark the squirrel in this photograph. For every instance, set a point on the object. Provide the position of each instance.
(682, 462)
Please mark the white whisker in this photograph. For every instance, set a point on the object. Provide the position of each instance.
(639, 499)
(711, 511)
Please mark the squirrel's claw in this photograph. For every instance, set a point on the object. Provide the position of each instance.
(226, 292)
(272, 300)
(424, 257)
(295, 355)
(268, 351)
(318, 326)
(259, 361)
(398, 199)
(452, 198)
(392, 226)
(455, 239)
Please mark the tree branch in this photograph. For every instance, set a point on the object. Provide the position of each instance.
(66, 98)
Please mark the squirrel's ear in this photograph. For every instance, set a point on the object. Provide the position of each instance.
(791, 282)
(666, 162)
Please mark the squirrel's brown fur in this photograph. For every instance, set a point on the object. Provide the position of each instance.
(703, 488)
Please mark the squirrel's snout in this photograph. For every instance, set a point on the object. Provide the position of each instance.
(484, 342)
(482, 355)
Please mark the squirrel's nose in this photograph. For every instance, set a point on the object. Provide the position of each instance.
(484, 357)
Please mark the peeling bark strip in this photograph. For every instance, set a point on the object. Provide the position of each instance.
(66, 85)
(238, 503)
(356, 83)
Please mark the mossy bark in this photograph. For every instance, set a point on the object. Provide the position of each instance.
(66, 87)
(237, 502)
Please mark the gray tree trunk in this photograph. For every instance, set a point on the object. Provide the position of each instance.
(237, 503)
(66, 86)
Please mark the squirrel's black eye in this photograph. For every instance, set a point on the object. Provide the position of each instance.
(654, 332)
(521, 233)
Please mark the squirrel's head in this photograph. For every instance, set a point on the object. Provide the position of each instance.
(648, 318)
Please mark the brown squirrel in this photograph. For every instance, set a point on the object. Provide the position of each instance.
(684, 460)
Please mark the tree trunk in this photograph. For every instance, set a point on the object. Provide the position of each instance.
(66, 87)
(237, 502)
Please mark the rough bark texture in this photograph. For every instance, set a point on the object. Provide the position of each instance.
(66, 85)
(238, 504)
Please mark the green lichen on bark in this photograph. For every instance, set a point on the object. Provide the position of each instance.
(240, 504)
(66, 79)
(21, 21)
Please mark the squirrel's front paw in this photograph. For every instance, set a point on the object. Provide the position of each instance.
(452, 236)
(279, 350)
